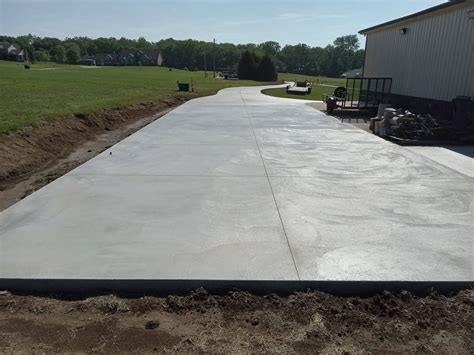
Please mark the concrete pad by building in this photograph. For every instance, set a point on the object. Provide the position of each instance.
(241, 186)
(378, 229)
(449, 157)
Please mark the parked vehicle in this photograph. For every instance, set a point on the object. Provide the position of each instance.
(299, 88)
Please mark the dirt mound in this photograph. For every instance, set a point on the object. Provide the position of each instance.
(240, 322)
(33, 156)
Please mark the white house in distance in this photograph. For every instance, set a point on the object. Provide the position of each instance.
(10, 51)
(429, 55)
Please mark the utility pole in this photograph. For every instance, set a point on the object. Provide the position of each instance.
(214, 55)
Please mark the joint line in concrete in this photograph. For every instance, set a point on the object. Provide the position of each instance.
(271, 187)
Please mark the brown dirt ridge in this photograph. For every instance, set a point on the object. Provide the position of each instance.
(34, 156)
(239, 322)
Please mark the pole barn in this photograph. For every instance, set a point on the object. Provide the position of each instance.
(429, 55)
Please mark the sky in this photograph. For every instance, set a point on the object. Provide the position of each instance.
(314, 22)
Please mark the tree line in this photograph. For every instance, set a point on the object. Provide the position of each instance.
(342, 55)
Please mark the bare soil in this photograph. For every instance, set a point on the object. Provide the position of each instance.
(34, 156)
(239, 322)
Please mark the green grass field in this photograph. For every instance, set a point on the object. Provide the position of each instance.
(327, 86)
(49, 91)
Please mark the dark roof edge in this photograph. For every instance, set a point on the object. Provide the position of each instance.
(416, 14)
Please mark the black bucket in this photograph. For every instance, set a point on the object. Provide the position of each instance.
(183, 86)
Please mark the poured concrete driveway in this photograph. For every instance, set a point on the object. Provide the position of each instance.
(242, 186)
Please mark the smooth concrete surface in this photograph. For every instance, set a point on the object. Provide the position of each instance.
(246, 187)
(461, 161)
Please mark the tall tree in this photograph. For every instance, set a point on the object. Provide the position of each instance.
(73, 53)
(26, 42)
(247, 68)
(45, 43)
(270, 48)
(60, 54)
(142, 43)
(266, 69)
(106, 45)
(347, 43)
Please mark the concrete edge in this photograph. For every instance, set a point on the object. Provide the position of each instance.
(138, 288)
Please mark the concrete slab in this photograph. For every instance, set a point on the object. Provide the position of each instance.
(350, 160)
(133, 227)
(242, 186)
(311, 135)
(462, 163)
(192, 134)
(377, 229)
(177, 160)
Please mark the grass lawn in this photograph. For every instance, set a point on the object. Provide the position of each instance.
(49, 91)
(327, 86)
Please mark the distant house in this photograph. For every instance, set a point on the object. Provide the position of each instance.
(3, 48)
(103, 59)
(153, 57)
(125, 57)
(9, 51)
(354, 73)
(87, 60)
(280, 66)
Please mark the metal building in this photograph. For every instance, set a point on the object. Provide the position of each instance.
(429, 54)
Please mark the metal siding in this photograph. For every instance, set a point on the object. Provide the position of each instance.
(434, 59)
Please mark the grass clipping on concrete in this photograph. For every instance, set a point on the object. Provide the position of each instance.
(49, 91)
